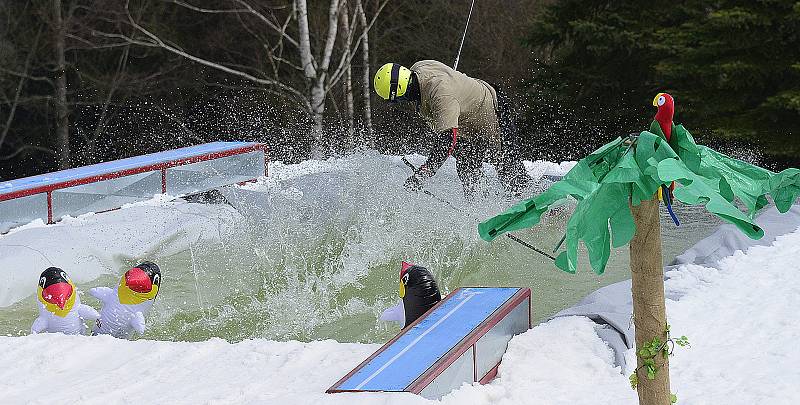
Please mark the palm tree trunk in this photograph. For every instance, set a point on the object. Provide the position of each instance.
(649, 309)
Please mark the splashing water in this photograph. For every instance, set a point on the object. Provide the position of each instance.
(317, 249)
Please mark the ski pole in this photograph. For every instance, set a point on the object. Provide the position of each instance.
(561, 242)
(529, 246)
(409, 164)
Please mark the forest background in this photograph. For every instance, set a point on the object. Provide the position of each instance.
(88, 81)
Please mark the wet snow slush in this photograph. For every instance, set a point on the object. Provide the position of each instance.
(311, 252)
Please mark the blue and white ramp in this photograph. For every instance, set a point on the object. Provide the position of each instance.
(461, 339)
(109, 185)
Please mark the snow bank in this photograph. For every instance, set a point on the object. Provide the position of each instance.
(539, 168)
(740, 319)
(105, 370)
(742, 324)
(94, 244)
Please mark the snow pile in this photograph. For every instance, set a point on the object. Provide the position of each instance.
(742, 324)
(558, 362)
(539, 168)
(740, 319)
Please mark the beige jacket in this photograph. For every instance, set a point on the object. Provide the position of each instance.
(451, 99)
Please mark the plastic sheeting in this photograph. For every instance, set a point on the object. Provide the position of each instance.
(611, 307)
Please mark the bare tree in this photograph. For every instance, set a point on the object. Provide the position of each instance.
(314, 60)
(42, 65)
(348, 80)
(22, 78)
(92, 138)
(366, 85)
(60, 100)
(316, 72)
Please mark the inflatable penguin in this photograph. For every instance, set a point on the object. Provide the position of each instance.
(123, 310)
(418, 291)
(60, 308)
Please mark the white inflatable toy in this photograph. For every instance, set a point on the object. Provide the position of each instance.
(60, 308)
(123, 310)
(396, 314)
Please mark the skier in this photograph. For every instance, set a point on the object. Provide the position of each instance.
(468, 116)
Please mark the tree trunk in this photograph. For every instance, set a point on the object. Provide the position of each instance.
(316, 92)
(18, 92)
(62, 112)
(316, 74)
(366, 85)
(318, 110)
(348, 77)
(649, 310)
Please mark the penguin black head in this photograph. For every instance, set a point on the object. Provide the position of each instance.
(418, 290)
(56, 291)
(139, 284)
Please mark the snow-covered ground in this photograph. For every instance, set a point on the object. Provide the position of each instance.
(741, 320)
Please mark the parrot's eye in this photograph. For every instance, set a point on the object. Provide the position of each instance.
(42, 281)
(156, 279)
(64, 275)
(661, 100)
(405, 278)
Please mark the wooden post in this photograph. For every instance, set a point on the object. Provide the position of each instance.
(649, 309)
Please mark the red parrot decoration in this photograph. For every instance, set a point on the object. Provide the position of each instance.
(666, 110)
(662, 125)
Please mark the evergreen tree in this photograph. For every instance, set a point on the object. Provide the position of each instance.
(736, 65)
(595, 66)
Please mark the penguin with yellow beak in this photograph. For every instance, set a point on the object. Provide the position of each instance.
(418, 291)
(124, 308)
(60, 308)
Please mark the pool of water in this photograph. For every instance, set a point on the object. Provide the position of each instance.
(317, 249)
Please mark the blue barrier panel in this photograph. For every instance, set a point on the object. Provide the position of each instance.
(14, 188)
(110, 185)
(425, 350)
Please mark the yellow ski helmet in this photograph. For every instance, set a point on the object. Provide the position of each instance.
(391, 81)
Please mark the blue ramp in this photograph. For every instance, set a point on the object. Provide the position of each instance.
(110, 185)
(461, 339)
(117, 168)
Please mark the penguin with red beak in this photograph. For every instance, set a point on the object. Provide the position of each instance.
(419, 293)
(60, 308)
(124, 308)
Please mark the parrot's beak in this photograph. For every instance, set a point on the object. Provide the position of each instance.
(655, 100)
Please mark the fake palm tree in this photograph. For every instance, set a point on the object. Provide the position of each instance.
(618, 190)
